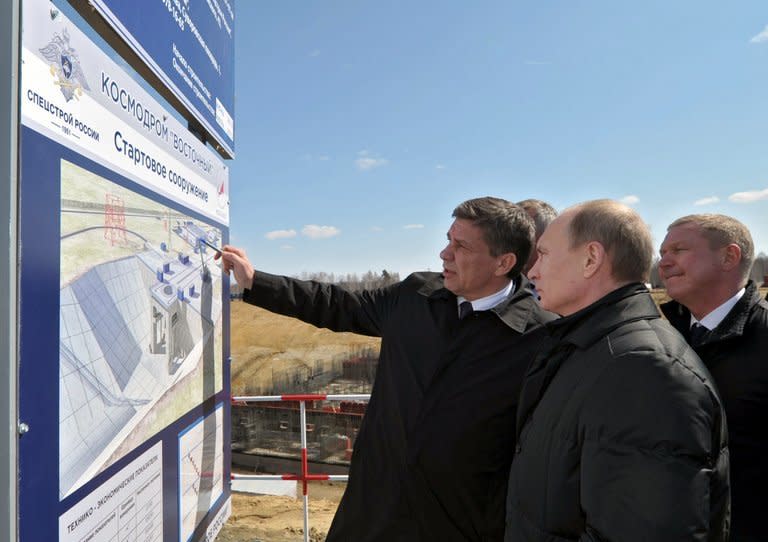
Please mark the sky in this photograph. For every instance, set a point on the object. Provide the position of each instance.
(360, 125)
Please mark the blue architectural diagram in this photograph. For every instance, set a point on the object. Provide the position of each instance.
(140, 321)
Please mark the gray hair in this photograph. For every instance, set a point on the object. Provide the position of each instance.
(723, 230)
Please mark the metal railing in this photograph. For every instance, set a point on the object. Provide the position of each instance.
(304, 477)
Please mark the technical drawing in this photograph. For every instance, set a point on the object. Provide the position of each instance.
(201, 470)
(140, 321)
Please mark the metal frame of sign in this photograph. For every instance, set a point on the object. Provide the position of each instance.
(9, 123)
(135, 51)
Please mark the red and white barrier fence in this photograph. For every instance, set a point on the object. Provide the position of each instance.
(304, 477)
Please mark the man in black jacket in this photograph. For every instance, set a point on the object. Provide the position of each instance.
(705, 264)
(621, 435)
(432, 456)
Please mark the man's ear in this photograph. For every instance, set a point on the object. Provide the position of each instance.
(594, 258)
(505, 264)
(731, 256)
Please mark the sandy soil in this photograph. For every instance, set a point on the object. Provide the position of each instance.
(262, 341)
(281, 519)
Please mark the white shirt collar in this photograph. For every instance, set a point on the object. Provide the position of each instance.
(490, 301)
(713, 319)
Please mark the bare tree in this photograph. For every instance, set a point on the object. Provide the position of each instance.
(369, 280)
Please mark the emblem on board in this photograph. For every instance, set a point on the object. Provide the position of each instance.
(65, 66)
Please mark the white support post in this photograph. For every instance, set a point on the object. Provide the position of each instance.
(304, 467)
(304, 477)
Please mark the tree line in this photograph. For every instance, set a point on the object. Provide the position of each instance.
(369, 280)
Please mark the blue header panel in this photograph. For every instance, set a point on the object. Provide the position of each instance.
(190, 45)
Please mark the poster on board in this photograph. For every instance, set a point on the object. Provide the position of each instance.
(123, 376)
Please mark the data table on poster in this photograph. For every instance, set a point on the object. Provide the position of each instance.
(126, 508)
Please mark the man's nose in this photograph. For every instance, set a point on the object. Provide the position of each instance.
(533, 272)
(446, 253)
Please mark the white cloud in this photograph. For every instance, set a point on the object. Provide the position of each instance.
(439, 166)
(537, 63)
(707, 201)
(377, 228)
(286, 247)
(364, 163)
(413, 226)
(313, 231)
(749, 197)
(315, 52)
(312, 157)
(630, 199)
(280, 234)
(761, 37)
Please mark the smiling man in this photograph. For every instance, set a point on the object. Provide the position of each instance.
(621, 435)
(705, 264)
(432, 456)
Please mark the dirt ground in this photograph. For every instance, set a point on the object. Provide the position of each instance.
(262, 341)
(261, 518)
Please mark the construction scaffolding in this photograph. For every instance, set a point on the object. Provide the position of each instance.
(303, 444)
(314, 427)
(271, 429)
(114, 219)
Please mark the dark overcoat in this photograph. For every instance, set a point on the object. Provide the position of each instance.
(432, 456)
(736, 353)
(622, 436)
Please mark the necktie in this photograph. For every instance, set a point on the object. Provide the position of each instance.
(697, 334)
(465, 309)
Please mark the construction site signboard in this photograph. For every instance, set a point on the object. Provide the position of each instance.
(123, 380)
(189, 45)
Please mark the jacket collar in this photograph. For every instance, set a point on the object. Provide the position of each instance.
(587, 326)
(433, 288)
(515, 311)
(731, 326)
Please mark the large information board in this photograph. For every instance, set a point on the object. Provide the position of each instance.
(123, 372)
(189, 45)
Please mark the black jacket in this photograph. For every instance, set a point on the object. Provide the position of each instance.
(432, 456)
(736, 353)
(621, 433)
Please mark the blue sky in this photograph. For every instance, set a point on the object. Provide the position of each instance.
(360, 125)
